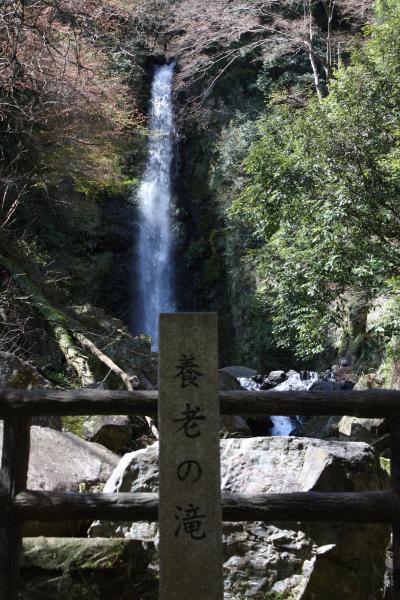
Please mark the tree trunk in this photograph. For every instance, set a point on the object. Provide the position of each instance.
(64, 329)
(56, 320)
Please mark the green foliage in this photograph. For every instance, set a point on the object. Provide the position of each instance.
(321, 197)
(73, 424)
(275, 596)
(385, 464)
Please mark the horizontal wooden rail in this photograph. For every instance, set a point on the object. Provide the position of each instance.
(369, 403)
(359, 507)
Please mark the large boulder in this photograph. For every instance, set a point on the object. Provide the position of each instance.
(228, 381)
(18, 374)
(79, 568)
(64, 462)
(112, 431)
(300, 560)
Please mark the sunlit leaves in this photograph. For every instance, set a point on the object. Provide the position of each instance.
(323, 193)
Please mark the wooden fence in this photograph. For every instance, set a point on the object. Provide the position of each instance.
(17, 504)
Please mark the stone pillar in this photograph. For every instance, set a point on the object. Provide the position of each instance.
(190, 513)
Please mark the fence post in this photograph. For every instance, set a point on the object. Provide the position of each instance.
(190, 513)
(395, 479)
(14, 470)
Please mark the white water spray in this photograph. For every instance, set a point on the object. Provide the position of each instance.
(154, 200)
(283, 425)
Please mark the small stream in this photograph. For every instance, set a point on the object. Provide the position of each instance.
(284, 425)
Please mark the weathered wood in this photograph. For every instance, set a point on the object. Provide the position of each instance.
(14, 470)
(77, 402)
(395, 480)
(355, 507)
(131, 381)
(189, 459)
(35, 505)
(367, 403)
(360, 403)
(360, 507)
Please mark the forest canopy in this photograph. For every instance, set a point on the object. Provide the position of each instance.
(320, 195)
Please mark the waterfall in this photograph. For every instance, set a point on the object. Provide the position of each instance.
(154, 256)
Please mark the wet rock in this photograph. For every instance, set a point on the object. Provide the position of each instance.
(319, 427)
(293, 373)
(19, 374)
(260, 425)
(321, 385)
(329, 385)
(258, 378)
(273, 379)
(301, 560)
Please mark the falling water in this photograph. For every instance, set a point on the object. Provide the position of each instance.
(284, 425)
(154, 200)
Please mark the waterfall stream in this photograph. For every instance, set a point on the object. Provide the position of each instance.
(284, 425)
(155, 242)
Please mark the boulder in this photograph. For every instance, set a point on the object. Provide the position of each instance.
(319, 427)
(329, 385)
(323, 385)
(293, 373)
(81, 568)
(19, 374)
(369, 381)
(113, 432)
(237, 371)
(363, 430)
(273, 379)
(344, 376)
(300, 560)
(228, 381)
(64, 462)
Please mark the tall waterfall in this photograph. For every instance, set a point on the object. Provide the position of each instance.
(154, 200)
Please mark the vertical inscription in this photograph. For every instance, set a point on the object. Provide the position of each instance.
(190, 497)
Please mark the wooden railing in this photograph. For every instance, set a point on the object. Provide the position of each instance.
(18, 504)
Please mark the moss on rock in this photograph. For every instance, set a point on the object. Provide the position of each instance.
(81, 568)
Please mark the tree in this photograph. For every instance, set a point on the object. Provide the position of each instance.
(207, 47)
(57, 89)
(323, 192)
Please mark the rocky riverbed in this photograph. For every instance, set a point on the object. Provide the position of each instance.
(302, 561)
